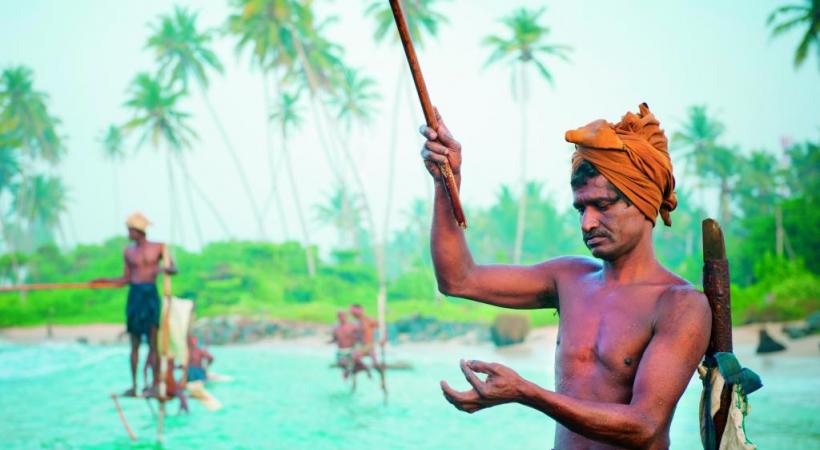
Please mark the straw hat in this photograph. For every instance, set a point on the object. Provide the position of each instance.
(138, 221)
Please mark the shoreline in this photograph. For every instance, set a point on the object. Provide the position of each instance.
(745, 337)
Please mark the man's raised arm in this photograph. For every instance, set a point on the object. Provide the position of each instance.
(521, 287)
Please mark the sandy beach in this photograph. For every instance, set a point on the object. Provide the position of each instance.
(745, 337)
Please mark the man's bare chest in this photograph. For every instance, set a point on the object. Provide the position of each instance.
(603, 333)
(140, 257)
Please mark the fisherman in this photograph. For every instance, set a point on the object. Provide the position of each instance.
(631, 332)
(142, 265)
(344, 336)
(199, 359)
(366, 345)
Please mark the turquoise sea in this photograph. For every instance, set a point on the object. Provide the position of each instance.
(284, 396)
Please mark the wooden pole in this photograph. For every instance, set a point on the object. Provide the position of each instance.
(716, 286)
(122, 418)
(427, 107)
(56, 286)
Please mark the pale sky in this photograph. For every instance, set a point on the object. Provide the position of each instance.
(671, 54)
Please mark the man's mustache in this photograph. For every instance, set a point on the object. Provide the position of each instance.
(595, 234)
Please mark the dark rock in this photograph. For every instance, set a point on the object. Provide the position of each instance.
(510, 329)
(767, 344)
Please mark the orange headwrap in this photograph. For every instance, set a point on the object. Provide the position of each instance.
(633, 156)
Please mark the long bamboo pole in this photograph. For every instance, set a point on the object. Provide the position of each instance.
(426, 106)
(57, 286)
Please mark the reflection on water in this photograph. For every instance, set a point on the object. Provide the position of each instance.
(56, 396)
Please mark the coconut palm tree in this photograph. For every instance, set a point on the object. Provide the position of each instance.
(422, 20)
(523, 47)
(712, 162)
(156, 116)
(114, 152)
(342, 210)
(25, 108)
(807, 15)
(39, 202)
(184, 54)
(261, 27)
(288, 115)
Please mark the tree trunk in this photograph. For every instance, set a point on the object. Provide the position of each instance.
(208, 204)
(311, 264)
(190, 199)
(243, 177)
(725, 214)
(522, 200)
(778, 230)
(274, 194)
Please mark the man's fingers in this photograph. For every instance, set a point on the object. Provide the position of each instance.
(481, 367)
(472, 378)
(436, 147)
(463, 401)
(428, 133)
(435, 157)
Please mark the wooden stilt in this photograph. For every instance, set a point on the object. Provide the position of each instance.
(122, 418)
(160, 420)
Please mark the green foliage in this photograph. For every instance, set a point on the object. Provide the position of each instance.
(785, 290)
(806, 14)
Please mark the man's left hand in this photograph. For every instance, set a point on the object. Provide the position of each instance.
(503, 385)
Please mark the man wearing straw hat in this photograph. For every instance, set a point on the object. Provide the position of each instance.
(142, 265)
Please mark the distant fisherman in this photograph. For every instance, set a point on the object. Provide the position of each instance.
(344, 336)
(142, 265)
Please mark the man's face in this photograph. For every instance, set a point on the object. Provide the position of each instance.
(135, 234)
(342, 316)
(611, 228)
(356, 312)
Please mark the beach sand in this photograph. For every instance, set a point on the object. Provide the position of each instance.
(745, 336)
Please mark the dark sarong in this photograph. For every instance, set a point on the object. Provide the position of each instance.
(197, 374)
(142, 311)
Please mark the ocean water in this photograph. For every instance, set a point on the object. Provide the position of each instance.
(283, 396)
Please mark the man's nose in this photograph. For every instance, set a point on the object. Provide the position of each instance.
(589, 220)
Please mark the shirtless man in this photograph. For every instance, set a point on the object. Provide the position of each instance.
(142, 265)
(366, 331)
(199, 359)
(344, 336)
(631, 332)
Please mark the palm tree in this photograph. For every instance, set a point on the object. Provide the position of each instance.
(184, 53)
(342, 210)
(261, 26)
(422, 20)
(156, 115)
(28, 135)
(114, 151)
(288, 115)
(523, 48)
(25, 108)
(806, 14)
(707, 159)
(39, 201)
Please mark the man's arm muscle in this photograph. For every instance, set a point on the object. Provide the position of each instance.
(667, 365)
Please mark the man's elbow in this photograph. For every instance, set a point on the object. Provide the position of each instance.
(450, 288)
(649, 434)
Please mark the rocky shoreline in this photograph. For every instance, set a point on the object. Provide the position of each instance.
(240, 330)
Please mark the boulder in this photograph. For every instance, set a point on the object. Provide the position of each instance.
(509, 329)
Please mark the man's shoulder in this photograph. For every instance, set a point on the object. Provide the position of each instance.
(578, 265)
(683, 302)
